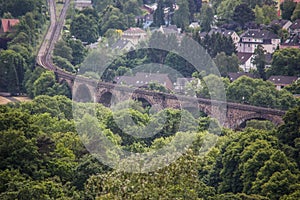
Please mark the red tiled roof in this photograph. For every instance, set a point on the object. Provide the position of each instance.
(7, 24)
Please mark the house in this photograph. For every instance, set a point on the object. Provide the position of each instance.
(250, 39)
(235, 75)
(294, 29)
(148, 20)
(227, 33)
(7, 25)
(246, 61)
(171, 29)
(194, 25)
(282, 81)
(81, 4)
(292, 42)
(142, 79)
(181, 83)
(282, 23)
(134, 35)
(150, 8)
(123, 45)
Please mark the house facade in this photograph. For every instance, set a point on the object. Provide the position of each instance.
(294, 29)
(142, 79)
(227, 33)
(246, 61)
(82, 4)
(282, 81)
(134, 35)
(250, 39)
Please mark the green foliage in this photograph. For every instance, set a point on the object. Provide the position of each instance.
(217, 43)
(42, 156)
(296, 13)
(173, 182)
(18, 8)
(243, 14)
(259, 61)
(294, 88)
(85, 28)
(287, 8)
(260, 93)
(11, 71)
(226, 63)
(63, 63)
(226, 8)
(158, 16)
(286, 62)
(61, 49)
(258, 124)
(181, 16)
(206, 17)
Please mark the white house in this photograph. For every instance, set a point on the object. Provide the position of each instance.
(250, 39)
(246, 61)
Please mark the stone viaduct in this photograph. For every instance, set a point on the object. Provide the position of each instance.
(230, 115)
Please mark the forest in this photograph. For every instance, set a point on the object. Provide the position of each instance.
(49, 147)
(44, 157)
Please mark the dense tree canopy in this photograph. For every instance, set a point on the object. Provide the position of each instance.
(286, 62)
(42, 157)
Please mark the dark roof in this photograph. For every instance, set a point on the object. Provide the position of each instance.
(120, 44)
(223, 31)
(243, 57)
(235, 75)
(279, 22)
(141, 79)
(183, 81)
(295, 25)
(259, 34)
(282, 80)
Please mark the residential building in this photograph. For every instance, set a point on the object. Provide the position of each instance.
(81, 4)
(246, 61)
(134, 35)
(7, 25)
(292, 42)
(171, 29)
(228, 33)
(142, 79)
(181, 83)
(282, 81)
(282, 23)
(123, 45)
(225, 32)
(294, 29)
(250, 39)
(235, 75)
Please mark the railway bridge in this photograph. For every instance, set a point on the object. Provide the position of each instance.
(231, 115)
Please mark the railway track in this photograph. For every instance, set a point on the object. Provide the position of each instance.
(52, 36)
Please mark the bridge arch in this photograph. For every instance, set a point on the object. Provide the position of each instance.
(107, 98)
(241, 122)
(82, 93)
(196, 112)
(144, 101)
